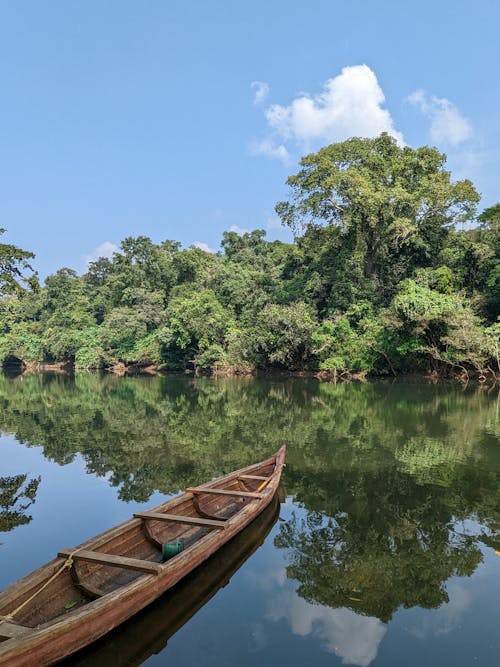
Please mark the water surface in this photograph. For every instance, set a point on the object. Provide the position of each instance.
(386, 551)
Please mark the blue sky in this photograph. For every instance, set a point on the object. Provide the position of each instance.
(180, 120)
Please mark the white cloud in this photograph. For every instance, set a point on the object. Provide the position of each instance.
(105, 249)
(271, 149)
(261, 91)
(239, 230)
(350, 104)
(448, 126)
(469, 162)
(203, 246)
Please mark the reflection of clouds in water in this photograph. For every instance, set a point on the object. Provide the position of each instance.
(445, 619)
(353, 637)
(259, 638)
(270, 578)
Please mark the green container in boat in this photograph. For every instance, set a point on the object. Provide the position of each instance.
(171, 549)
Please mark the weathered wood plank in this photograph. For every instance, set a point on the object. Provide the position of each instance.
(11, 630)
(113, 561)
(90, 591)
(202, 511)
(224, 492)
(257, 477)
(160, 516)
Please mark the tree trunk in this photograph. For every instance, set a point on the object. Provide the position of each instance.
(370, 254)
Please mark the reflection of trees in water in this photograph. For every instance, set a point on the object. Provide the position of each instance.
(162, 433)
(391, 543)
(384, 471)
(16, 495)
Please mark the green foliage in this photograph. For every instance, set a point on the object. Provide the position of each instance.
(64, 302)
(437, 330)
(16, 495)
(282, 335)
(22, 343)
(380, 281)
(212, 357)
(13, 263)
(342, 346)
(421, 307)
(197, 323)
(490, 218)
(392, 204)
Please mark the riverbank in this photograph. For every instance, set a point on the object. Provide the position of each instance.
(333, 375)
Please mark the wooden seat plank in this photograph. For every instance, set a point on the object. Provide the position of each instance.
(195, 521)
(112, 560)
(224, 492)
(257, 477)
(11, 630)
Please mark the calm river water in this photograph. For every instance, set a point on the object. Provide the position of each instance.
(385, 553)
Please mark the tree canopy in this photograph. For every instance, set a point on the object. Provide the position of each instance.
(392, 204)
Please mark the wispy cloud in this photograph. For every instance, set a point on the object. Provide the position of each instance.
(446, 618)
(448, 125)
(349, 104)
(270, 148)
(105, 249)
(239, 230)
(203, 246)
(352, 637)
(261, 91)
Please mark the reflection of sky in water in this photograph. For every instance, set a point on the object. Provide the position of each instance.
(70, 506)
(447, 618)
(353, 637)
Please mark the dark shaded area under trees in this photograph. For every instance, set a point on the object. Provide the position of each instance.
(391, 272)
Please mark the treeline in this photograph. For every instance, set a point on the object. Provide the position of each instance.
(391, 271)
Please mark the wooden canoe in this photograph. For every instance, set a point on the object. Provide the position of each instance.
(148, 632)
(88, 590)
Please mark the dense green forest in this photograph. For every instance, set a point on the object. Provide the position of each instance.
(392, 271)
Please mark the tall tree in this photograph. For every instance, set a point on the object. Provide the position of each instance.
(490, 232)
(13, 263)
(392, 203)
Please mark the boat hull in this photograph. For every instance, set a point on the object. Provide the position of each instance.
(57, 639)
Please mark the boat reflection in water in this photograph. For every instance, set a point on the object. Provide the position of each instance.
(148, 632)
